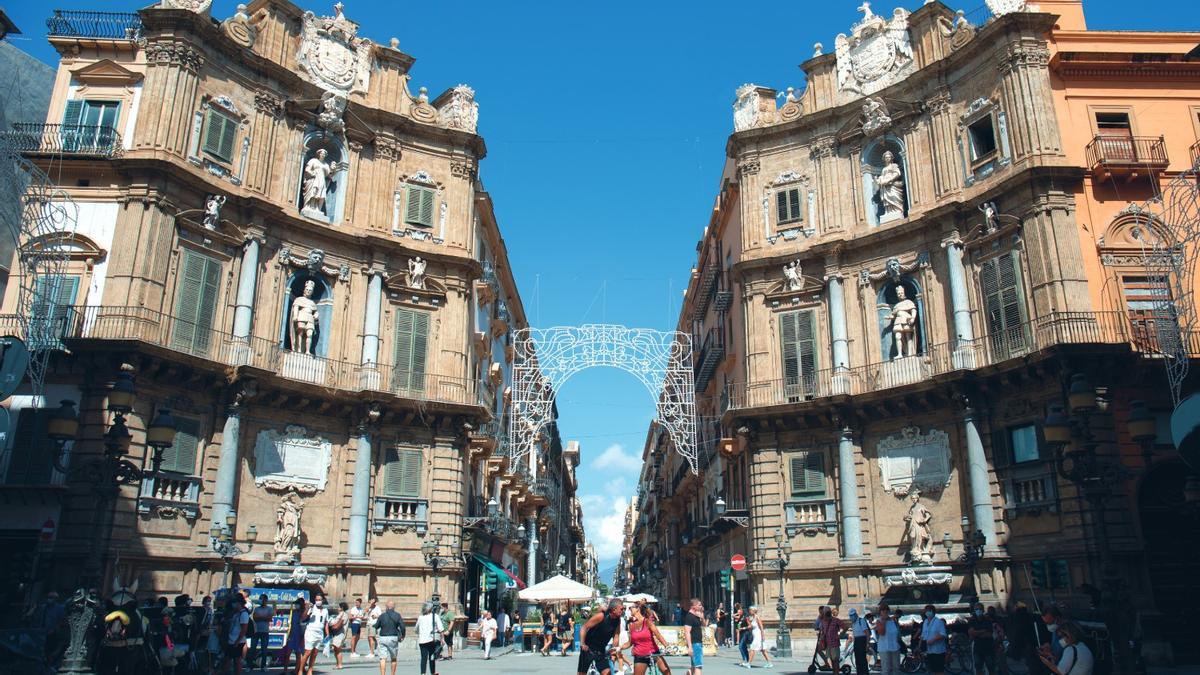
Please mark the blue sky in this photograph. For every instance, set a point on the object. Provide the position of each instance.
(606, 126)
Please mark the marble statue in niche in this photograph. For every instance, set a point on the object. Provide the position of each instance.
(918, 528)
(416, 273)
(318, 174)
(287, 528)
(794, 276)
(890, 188)
(303, 319)
(212, 211)
(903, 318)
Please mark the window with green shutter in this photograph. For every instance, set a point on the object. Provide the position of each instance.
(808, 474)
(29, 463)
(418, 209)
(411, 345)
(181, 456)
(220, 131)
(1000, 283)
(787, 206)
(402, 473)
(196, 302)
(798, 343)
(52, 311)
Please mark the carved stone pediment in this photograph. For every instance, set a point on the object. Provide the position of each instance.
(893, 269)
(332, 55)
(106, 72)
(877, 116)
(314, 262)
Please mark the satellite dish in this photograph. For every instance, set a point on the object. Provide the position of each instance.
(14, 361)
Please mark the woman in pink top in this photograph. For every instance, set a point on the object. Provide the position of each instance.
(645, 638)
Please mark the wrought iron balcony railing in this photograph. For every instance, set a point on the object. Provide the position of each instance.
(1109, 152)
(1195, 151)
(95, 25)
(66, 139)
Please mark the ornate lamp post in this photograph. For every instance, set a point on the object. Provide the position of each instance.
(783, 555)
(973, 545)
(225, 544)
(436, 555)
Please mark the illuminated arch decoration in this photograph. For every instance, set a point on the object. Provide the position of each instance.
(544, 359)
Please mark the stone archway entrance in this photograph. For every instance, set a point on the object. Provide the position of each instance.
(544, 359)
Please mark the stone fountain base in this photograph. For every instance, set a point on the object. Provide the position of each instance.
(289, 574)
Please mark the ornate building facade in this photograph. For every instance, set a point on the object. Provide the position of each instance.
(902, 278)
(297, 257)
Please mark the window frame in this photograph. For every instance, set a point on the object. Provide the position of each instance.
(197, 453)
(784, 191)
(230, 121)
(808, 493)
(396, 456)
(193, 344)
(806, 378)
(409, 190)
(980, 159)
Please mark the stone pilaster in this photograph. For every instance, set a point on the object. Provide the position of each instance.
(1027, 98)
(172, 81)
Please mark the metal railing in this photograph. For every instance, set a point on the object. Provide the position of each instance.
(99, 25)
(139, 324)
(399, 512)
(1059, 328)
(88, 140)
(174, 493)
(1127, 150)
(1195, 152)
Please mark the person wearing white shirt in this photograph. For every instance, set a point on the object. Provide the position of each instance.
(429, 631)
(487, 632)
(887, 641)
(933, 634)
(1077, 657)
(315, 629)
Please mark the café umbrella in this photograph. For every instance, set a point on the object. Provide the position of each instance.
(558, 589)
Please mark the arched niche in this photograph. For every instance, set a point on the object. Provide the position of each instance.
(872, 165)
(884, 299)
(337, 158)
(323, 296)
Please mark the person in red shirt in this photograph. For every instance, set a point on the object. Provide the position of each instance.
(831, 638)
(645, 640)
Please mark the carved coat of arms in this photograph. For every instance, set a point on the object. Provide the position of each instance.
(1002, 7)
(460, 111)
(332, 54)
(751, 109)
(876, 54)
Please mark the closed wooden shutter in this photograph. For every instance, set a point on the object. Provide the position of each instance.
(220, 131)
(199, 280)
(1000, 281)
(30, 460)
(402, 473)
(808, 474)
(411, 345)
(181, 456)
(787, 206)
(54, 298)
(798, 346)
(419, 208)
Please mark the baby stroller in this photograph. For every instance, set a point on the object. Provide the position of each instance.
(821, 664)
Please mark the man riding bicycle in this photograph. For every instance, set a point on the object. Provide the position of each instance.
(594, 637)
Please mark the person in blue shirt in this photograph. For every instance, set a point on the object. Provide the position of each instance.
(933, 634)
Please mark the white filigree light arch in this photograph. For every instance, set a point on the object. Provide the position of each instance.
(544, 359)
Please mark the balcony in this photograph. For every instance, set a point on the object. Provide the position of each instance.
(1059, 328)
(155, 330)
(705, 284)
(1126, 155)
(94, 25)
(170, 495)
(1195, 152)
(811, 517)
(400, 514)
(736, 514)
(1029, 489)
(71, 140)
(712, 352)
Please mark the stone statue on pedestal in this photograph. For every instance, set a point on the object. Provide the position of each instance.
(890, 186)
(794, 276)
(919, 531)
(416, 273)
(303, 319)
(318, 175)
(904, 324)
(212, 211)
(287, 524)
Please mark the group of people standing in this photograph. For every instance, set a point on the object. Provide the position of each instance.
(615, 628)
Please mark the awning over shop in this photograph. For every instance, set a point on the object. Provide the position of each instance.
(498, 570)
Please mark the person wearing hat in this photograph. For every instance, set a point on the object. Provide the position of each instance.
(860, 630)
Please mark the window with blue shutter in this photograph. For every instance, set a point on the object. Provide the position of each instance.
(808, 474)
(797, 332)
(196, 302)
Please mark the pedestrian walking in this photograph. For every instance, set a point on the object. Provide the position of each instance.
(502, 626)
(389, 632)
(356, 615)
(261, 616)
(831, 636)
(594, 638)
(935, 637)
(887, 640)
(316, 627)
(745, 636)
(860, 632)
(374, 611)
(429, 632)
(547, 631)
(645, 640)
(694, 623)
(757, 645)
(566, 631)
(982, 630)
(487, 633)
(450, 621)
(722, 617)
(237, 628)
(338, 624)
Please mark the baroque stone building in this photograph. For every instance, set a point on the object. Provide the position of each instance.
(901, 278)
(296, 255)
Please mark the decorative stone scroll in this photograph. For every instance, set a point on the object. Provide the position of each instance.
(332, 54)
(876, 54)
(917, 576)
(292, 460)
(912, 461)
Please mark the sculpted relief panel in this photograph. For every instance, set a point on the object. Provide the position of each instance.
(912, 461)
(332, 54)
(292, 460)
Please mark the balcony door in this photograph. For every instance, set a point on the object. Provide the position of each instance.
(1115, 134)
(1148, 303)
(90, 126)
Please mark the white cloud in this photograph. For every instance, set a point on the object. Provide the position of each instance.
(615, 458)
(604, 518)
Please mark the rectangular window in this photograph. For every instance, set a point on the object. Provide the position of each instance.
(808, 474)
(411, 345)
(787, 206)
(181, 456)
(220, 131)
(418, 209)
(196, 303)
(1115, 135)
(52, 311)
(1147, 302)
(1024, 443)
(797, 331)
(29, 463)
(1000, 281)
(983, 139)
(402, 473)
(90, 126)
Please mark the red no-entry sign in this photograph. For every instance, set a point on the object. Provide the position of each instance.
(738, 562)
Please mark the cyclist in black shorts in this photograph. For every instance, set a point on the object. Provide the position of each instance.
(594, 637)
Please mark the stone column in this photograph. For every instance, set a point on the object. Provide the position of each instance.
(370, 348)
(848, 497)
(977, 476)
(225, 486)
(360, 499)
(837, 321)
(243, 313)
(531, 559)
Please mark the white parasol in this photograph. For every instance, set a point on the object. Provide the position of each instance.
(558, 589)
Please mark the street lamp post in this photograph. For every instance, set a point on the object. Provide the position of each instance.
(106, 474)
(435, 557)
(973, 545)
(783, 555)
(225, 544)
